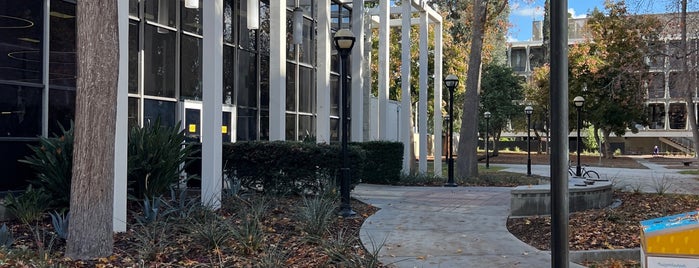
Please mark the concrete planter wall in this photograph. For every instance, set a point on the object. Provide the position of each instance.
(536, 199)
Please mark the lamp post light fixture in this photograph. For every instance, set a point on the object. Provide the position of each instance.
(578, 101)
(529, 110)
(487, 132)
(451, 81)
(344, 41)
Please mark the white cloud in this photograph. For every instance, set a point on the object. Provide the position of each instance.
(575, 16)
(511, 39)
(528, 11)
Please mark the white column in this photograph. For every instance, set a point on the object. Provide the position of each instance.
(356, 70)
(405, 107)
(324, 39)
(122, 125)
(438, 82)
(212, 78)
(422, 105)
(384, 27)
(277, 71)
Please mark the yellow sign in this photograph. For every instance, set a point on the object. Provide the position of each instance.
(192, 128)
(224, 129)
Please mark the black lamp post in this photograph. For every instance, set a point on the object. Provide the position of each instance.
(529, 110)
(487, 132)
(344, 41)
(450, 82)
(578, 101)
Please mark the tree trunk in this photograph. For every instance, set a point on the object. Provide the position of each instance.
(687, 83)
(91, 200)
(467, 162)
(607, 149)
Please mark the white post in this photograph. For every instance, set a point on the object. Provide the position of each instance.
(357, 58)
(323, 79)
(277, 71)
(384, 27)
(122, 124)
(405, 86)
(212, 78)
(438, 82)
(422, 106)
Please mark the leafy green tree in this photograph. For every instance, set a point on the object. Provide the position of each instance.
(500, 85)
(609, 69)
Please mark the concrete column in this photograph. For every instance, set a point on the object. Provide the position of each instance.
(422, 105)
(405, 87)
(438, 82)
(324, 40)
(356, 71)
(212, 78)
(277, 71)
(384, 30)
(122, 125)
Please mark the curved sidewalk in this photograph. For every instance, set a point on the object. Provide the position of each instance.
(444, 227)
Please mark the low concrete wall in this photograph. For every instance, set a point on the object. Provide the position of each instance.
(536, 199)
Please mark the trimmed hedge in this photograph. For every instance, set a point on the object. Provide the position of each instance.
(384, 161)
(288, 167)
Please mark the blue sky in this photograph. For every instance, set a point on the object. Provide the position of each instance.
(522, 14)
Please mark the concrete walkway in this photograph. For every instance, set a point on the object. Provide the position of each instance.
(466, 226)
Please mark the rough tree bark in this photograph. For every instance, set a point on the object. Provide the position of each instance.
(90, 234)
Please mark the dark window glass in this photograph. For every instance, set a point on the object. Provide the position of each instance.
(228, 75)
(264, 81)
(307, 127)
(133, 112)
(228, 22)
(61, 109)
(676, 54)
(133, 56)
(307, 51)
(676, 85)
(656, 86)
(192, 124)
(21, 41)
(536, 57)
(334, 59)
(306, 90)
(161, 12)
(247, 126)
(226, 127)
(334, 129)
(656, 58)
(62, 58)
(656, 115)
(264, 28)
(678, 115)
(20, 111)
(290, 87)
(519, 59)
(264, 125)
(191, 19)
(133, 8)
(290, 127)
(246, 38)
(334, 95)
(157, 109)
(190, 68)
(247, 79)
(159, 63)
(290, 46)
(335, 16)
(345, 20)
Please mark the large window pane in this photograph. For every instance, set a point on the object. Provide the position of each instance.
(191, 19)
(133, 112)
(306, 90)
(228, 75)
(264, 28)
(519, 59)
(247, 79)
(161, 12)
(656, 86)
(334, 129)
(21, 41)
(536, 57)
(656, 115)
(247, 124)
(307, 127)
(133, 56)
(20, 111)
(264, 81)
(62, 58)
(677, 85)
(678, 115)
(246, 38)
(133, 8)
(228, 21)
(676, 54)
(335, 16)
(157, 109)
(190, 68)
(290, 46)
(307, 52)
(264, 125)
(334, 95)
(61, 109)
(290, 127)
(159, 73)
(290, 87)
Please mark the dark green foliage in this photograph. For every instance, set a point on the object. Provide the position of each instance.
(288, 167)
(156, 155)
(384, 161)
(30, 206)
(53, 163)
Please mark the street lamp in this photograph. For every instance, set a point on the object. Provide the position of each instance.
(344, 41)
(487, 132)
(451, 81)
(529, 110)
(578, 101)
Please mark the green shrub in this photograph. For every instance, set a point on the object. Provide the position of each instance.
(315, 215)
(30, 206)
(53, 163)
(156, 154)
(384, 161)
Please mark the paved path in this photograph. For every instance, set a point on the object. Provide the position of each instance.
(466, 226)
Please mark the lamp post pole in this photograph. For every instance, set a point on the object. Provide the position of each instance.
(344, 40)
(578, 101)
(451, 81)
(487, 132)
(529, 110)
